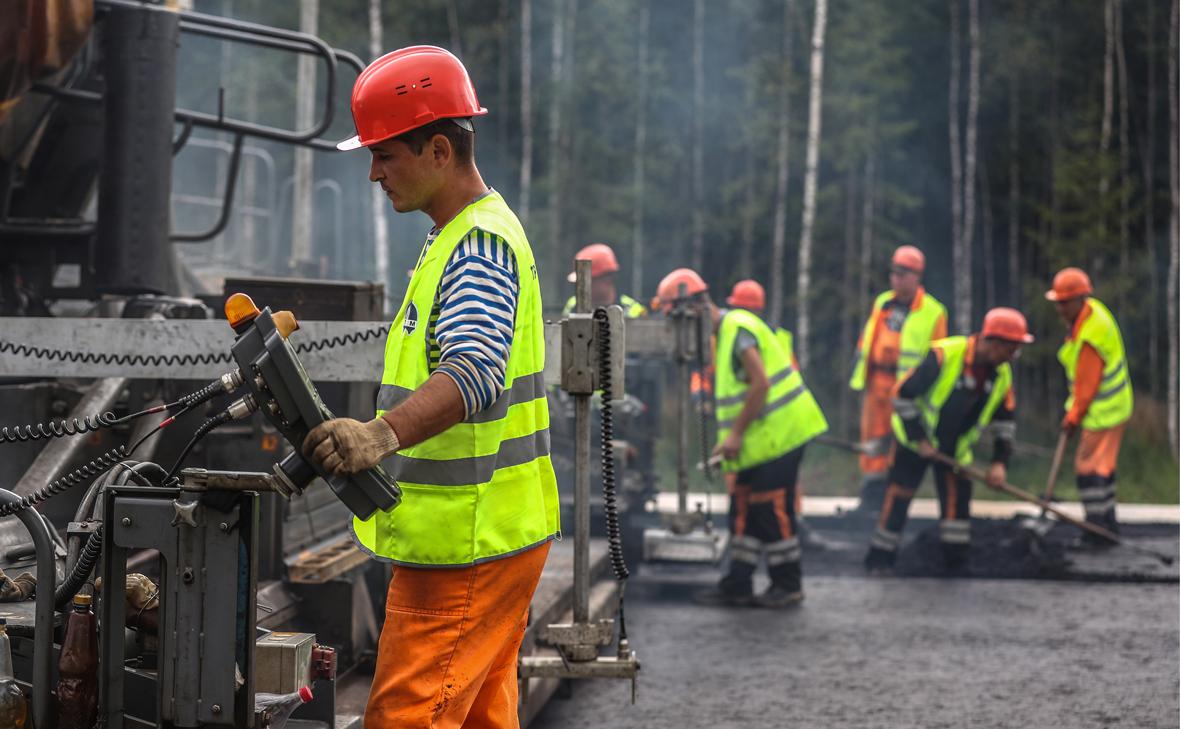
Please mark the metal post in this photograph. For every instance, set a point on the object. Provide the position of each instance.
(582, 469)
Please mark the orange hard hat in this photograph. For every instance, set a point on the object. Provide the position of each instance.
(748, 294)
(410, 88)
(1005, 323)
(909, 257)
(669, 289)
(602, 261)
(1069, 283)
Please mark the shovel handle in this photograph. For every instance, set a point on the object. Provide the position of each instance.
(976, 475)
(1055, 469)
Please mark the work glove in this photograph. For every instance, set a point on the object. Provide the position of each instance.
(19, 589)
(344, 445)
(1070, 423)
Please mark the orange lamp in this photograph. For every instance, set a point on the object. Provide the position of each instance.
(240, 309)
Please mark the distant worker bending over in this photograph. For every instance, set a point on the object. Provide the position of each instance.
(1100, 398)
(765, 418)
(603, 291)
(961, 388)
(897, 335)
(461, 413)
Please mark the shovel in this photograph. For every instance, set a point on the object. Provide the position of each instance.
(976, 475)
(1041, 525)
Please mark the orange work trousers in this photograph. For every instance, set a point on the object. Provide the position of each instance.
(875, 418)
(448, 651)
(1098, 451)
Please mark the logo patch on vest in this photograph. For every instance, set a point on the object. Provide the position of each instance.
(410, 323)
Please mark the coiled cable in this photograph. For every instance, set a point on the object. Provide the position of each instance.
(85, 472)
(81, 570)
(610, 504)
(57, 428)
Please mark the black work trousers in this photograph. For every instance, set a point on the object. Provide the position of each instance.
(762, 520)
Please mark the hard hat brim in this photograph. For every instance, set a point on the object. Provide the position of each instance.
(353, 142)
(572, 277)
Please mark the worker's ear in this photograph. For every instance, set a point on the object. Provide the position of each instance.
(441, 150)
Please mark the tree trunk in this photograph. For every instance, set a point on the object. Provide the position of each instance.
(1107, 128)
(526, 109)
(453, 27)
(1174, 263)
(379, 201)
(1147, 153)
(503, 72)
(1124, 162)
(698, 142)
(556, 154)
(1014, 293)
(957, 259)
(778, 242)
(868, 208)
(963, 293)
(848, 290)
(987, 241)
(303, 204)
(749, 208)
(640, 153)
(814, 130)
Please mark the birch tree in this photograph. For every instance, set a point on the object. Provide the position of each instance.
(959, 262)
(556, 156)
(526, 109)
(1174, 231)
(1124, 157)
(698, 150)
(778, 242)
(963, 294)
(868, 210)
(640, 152)
(1014, 293)
(1147, 153)
(377, 197)
(1107, 116)
(814, 129)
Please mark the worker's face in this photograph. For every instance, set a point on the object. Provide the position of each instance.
(904, 282)
(999, 351)
(602, 290)
(1069, 310)
(410, 180)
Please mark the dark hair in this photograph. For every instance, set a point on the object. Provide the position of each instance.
(462, 140)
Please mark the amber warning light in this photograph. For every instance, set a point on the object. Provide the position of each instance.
(240, 309)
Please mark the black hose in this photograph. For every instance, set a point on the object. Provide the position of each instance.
(95, 467)
(610, 505)
(81, 571)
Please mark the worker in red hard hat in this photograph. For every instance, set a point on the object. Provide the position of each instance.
(765, 418)
(903, 323)
(467, 545)
(1100, 398)
(603, 289)
(749, 294)
(962, 387)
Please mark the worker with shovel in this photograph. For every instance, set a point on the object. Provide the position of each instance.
(765, 418)
(1100, 399)
(962, 387)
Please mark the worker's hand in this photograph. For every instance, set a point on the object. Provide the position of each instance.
(1069, 424)
(19, 589)
(344, 445)
(730, 447)
(926, 449)
(996, 475)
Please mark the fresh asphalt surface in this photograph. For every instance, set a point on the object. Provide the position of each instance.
(894, 652)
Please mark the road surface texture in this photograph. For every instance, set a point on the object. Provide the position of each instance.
(994, 650)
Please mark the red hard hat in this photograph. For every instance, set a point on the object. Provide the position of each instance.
(1069, 283)
(909, 257)
(1005, 323)
(669, 289)
(407, 89)
(748, 294)
(602, 261)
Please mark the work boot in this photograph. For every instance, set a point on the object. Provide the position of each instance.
(872, 494)
(720, 597)
(777, 596)
(879, 563)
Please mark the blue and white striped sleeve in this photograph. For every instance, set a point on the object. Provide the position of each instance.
(476, 306)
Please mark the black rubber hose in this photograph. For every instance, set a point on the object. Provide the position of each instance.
(610, 504)
(81, 571)
(88, 471)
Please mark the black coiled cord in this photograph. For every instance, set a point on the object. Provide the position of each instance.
(706, 393)
(87, 471)
(343, 340)
(610, 505)
(82, 569)
(57, 428)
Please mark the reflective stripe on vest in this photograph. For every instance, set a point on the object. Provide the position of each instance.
(1114, 401)
(954, 356)
(483, 488)
(916, 333)
(790, 417)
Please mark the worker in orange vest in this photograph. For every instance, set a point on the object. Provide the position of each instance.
(896, 337)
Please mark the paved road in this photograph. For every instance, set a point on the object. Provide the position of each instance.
(899, 652)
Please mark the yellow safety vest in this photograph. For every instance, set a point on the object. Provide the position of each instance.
(632, 309)
(954, 355)
(916, 334)
(1114, 402)
(483, 488)
(790, 417)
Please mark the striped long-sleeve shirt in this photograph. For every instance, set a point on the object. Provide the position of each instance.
(472, 322)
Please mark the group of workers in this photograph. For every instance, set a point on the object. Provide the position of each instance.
(462, 419)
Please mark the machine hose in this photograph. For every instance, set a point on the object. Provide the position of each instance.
(82, 569)
(86, 472)
(614, 534)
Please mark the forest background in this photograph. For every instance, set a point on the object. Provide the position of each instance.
(797, 142)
